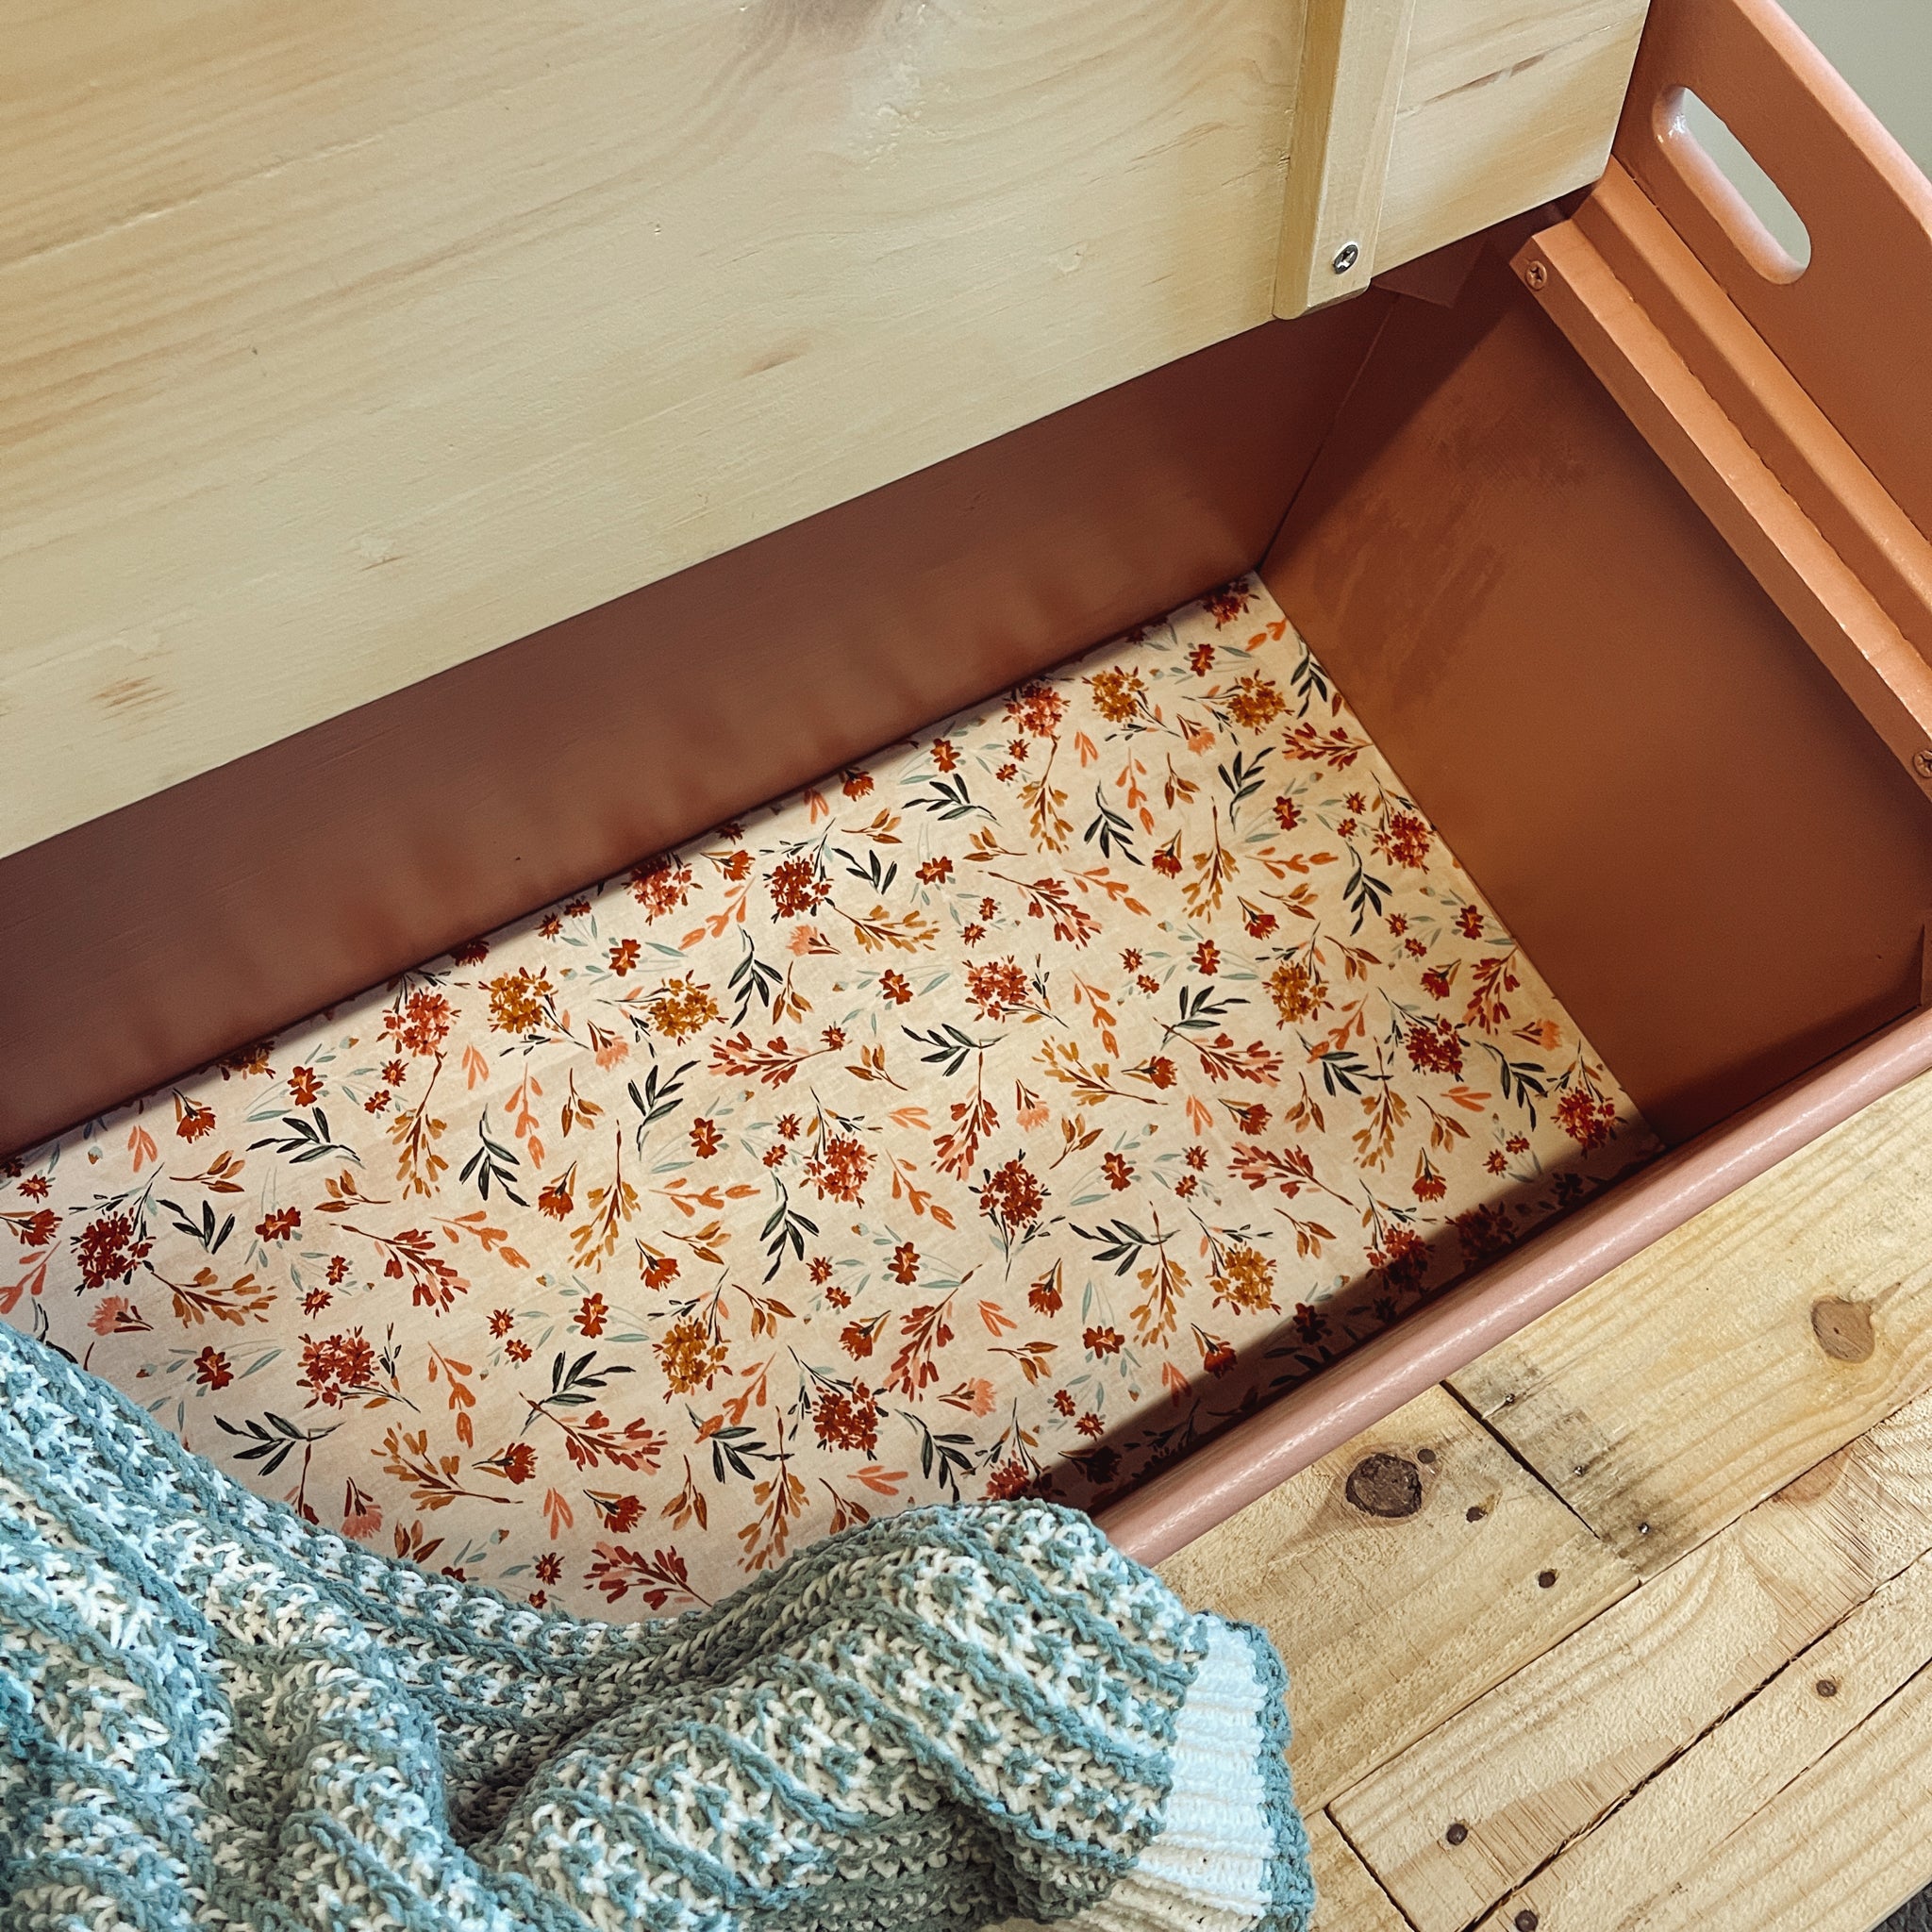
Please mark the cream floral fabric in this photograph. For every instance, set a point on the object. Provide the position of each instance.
(1000, 1118)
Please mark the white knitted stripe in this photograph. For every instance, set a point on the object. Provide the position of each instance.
(1206, 1870)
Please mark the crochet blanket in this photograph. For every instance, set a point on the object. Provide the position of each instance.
(213, 1713)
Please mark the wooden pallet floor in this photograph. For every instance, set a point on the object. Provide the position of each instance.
(1630, 1625)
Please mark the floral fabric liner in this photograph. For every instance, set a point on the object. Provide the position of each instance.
(1000, 1118)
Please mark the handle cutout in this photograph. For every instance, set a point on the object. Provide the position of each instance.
(1752, 209)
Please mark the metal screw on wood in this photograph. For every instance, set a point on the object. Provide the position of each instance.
(1546, 1579)
(1826, 1686)
(1536, 275)
(1345, 257)
(1525, 1920)
(1457, 1832)
(1921, 764)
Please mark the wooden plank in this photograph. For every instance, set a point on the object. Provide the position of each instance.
(1401, 1577)
(1505, 106)
(1472, 1808)
(1352, 60)
(1695, 1381)
(1348, 1899)
(340, 345)
(1804, 1812)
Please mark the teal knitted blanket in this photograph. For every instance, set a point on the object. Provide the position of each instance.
(213, 1714)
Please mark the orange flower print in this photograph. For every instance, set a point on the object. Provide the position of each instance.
(1296, 991)
(192, 1121)
(1404, 840)
(797, 888)
(1012, 1197)
(705, 1138)
(847, 1421)
(904, 1265)
(1117, 694)
(591, 1315)
(623, 957)
(1587, 1121)
(211, 1369)
(1255, 701)
(681, 1007)
(517, 1000)
(305, 1086)
(689, 1355)
(280, 1225)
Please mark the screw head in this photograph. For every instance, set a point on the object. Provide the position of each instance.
(1536, 275)
(1546, 1579)
(1525, 1920)
(1457, 1832)
(1921, 764)
(1345, 257)
(1826, 1686)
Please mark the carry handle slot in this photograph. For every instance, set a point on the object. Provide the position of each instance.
(1753, 211)
(1850, 329)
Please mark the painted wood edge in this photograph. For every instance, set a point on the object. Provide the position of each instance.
(1227, 1474)
(1847, 627)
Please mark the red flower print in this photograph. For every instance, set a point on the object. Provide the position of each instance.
(896, 987)
(35, 1186)
(590, 1316)
(549, 925)
(624, 955)
(660, 885)
(549, 1567)
(517, 1350)
(211, 1369)
(1587, 1121)
(471, 953)
(857, 785)
(1435, 1049)
(1225, 604)
(516, 1464)
(944, 755)
(840, 1167)
(34, 1230)
(316, 1300)
(1119, 1176)
(1012, 1197)
(1402, 1258)
(421, 1024)
(935, 871)
(705, 1138)
(660, 1270)
(1037, 708)
(191, 1119)
(1103, 1341)
(997, 987)
(1089, 1425)
(1208, 958)
(1435, 983)
(335, 1366)
(109, 1248)
(904, 1265)
(1011, 1479)
(1469, 922)
(280, 1225)
(1404, 840)
(857, 1338)
(1167, 861)
(1252, 1121)
(1485, 1232)
(847, 1421)
(797, 887)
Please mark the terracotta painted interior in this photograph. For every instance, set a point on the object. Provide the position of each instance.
(1717, 868)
